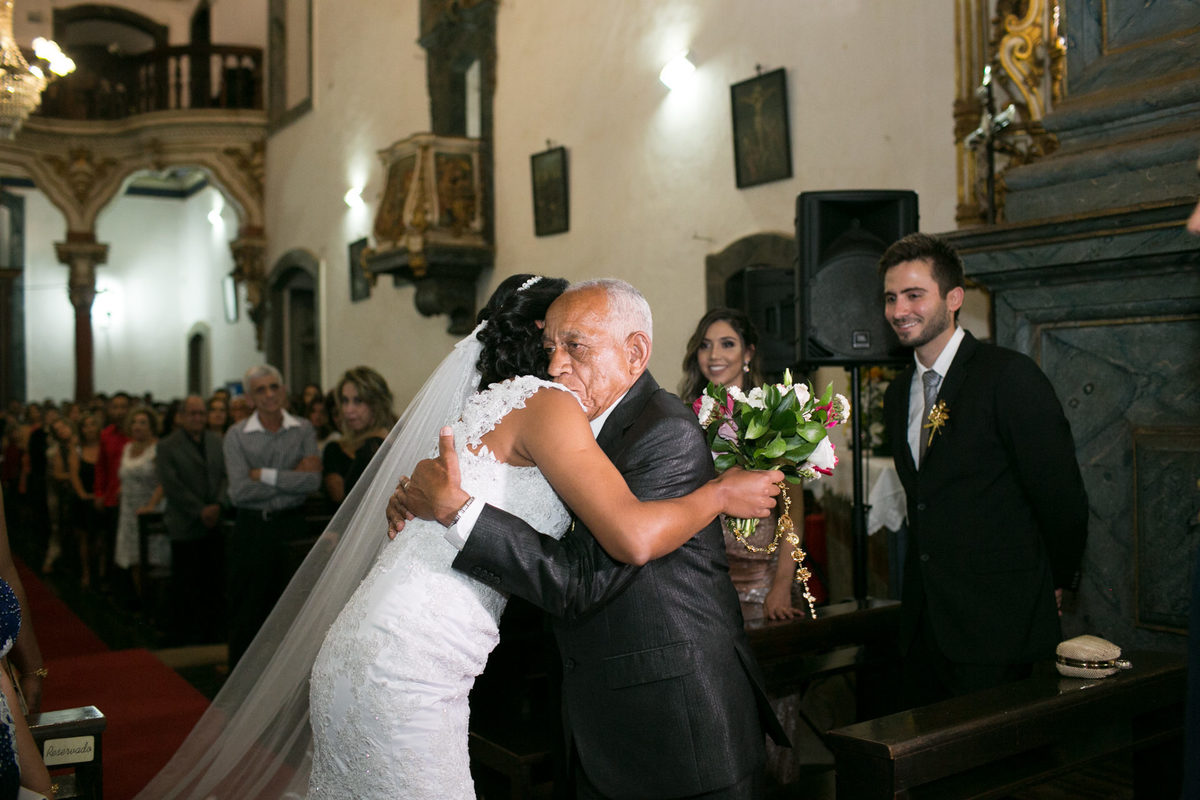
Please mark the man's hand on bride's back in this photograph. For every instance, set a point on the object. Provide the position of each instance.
(433, 492)
(748, 493)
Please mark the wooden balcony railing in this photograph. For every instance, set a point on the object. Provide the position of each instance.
(167, 79)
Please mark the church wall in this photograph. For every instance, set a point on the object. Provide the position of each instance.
(652, 188)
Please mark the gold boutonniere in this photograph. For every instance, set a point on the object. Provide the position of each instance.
(938, 416)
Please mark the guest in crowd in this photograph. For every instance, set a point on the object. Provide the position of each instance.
(367, 416)
(107, 489)
(191, 469)
(33, 486)
(723, 349)
(85, 519)
(25, 654)
(240, 408)
(20, 758)
(141, 492)
(992, 547)
(310, 392)
(317, 413)
(272, 463)
(218, 414)
(64, 442)
(168, 415)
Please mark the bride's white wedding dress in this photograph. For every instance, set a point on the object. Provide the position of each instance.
(389, 687)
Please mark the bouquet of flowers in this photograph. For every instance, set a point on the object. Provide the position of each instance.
(779, 426)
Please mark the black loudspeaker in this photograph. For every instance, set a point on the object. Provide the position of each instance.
(768, 296)
(839, 309)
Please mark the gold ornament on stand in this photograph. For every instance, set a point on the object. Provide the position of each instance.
(784, 529)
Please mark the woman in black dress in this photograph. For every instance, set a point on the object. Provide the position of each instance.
(366, 417)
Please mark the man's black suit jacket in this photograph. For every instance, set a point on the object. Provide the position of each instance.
(997, 512)
(661, 695)
(190, 481)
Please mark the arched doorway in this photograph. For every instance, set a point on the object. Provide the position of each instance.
(757, 274)
(292, 337)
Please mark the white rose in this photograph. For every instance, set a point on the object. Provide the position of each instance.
(707, 412)
(736, 394)
(802, 393)
(757, 398)
(841, 407)
(823, 459)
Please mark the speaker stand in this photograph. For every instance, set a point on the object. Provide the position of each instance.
(858, 515)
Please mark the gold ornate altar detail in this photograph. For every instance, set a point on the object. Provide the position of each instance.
(1021, 41)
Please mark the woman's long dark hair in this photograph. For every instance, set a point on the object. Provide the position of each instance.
(512, 340)
(693, 381)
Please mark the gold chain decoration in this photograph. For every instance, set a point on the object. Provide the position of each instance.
(784, 529)
(741, 536)
(787, 528)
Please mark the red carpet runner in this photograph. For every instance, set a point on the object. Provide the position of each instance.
(150, 709)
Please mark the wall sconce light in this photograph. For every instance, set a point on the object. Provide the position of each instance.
(353, 197)
(676, 71)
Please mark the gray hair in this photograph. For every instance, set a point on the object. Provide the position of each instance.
(626, 305)
(260, 371)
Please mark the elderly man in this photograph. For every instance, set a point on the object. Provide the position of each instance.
(191, 468)
(273, 465)
(661, 695)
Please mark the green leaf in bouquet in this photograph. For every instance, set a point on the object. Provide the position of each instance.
(774, 448)
(801, 451)
(719, 445)
(771, 395)
(725, 461)
(755, 427)
(826, 397)
(812, 431)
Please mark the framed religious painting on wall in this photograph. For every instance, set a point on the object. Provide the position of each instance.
(551, 212)
(360, 284)
(762, 140)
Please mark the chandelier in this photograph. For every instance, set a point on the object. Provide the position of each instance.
(21, 85)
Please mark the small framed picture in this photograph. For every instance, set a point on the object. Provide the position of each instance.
(762, 140)
(230, 295)
(551, 213)
(360, 284)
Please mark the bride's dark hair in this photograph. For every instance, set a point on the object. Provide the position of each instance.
(512, 340)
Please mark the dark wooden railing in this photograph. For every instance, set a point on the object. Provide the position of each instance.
(167, 79)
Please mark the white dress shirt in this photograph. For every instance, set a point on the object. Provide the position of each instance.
(916, 391)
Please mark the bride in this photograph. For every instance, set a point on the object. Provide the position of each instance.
(393, 656)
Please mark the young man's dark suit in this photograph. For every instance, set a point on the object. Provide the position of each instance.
(193, 476)
(997, 512)
(661, 696)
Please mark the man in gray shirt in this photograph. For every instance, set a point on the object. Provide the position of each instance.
(272, 462)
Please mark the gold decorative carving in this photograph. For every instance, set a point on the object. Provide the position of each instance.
(253, 164)
(81, 171)
(248, 269)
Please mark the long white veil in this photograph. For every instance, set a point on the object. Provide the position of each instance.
(254, 740)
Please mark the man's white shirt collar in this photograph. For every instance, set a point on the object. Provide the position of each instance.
(254, 424)
(598, 423)
(945, 358)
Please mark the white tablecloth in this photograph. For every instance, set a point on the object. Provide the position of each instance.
(886, 499)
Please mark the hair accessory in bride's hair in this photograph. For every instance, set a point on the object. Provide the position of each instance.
(529, 283)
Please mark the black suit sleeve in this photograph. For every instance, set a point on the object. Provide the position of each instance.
(572, 576)
(1038, 437)
(177, 485)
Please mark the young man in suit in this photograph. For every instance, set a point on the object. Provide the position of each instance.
(191, 468)
(661, 695)
(997, 512)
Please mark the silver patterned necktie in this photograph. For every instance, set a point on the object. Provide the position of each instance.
(931, 381)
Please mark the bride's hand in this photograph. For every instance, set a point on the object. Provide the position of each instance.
(748, 493)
